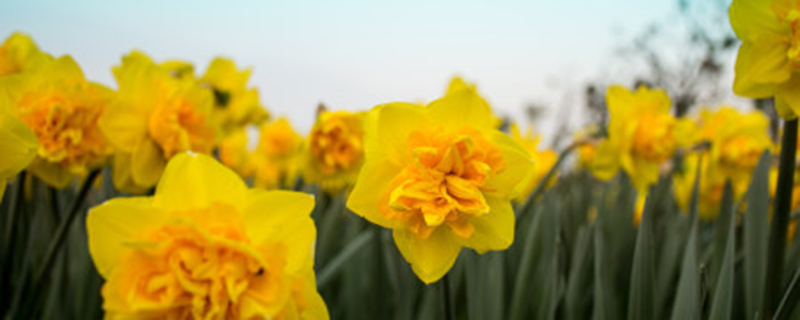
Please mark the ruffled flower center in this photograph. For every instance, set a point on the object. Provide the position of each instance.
(177, 126)
(654, 139)
(336, 143)
(445, 182)
(741, 153)
(64, 119)
(184, 270)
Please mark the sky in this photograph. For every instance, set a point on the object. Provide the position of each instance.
(352, 54)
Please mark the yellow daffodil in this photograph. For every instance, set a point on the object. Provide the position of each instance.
(710, 190)
(642, 135)
(441, 177)
(154, 117)
(737, 141)
(62, 109)
(334, 150)
(20, 54)
(17, 145)
(234, 153)
(769, 59)
(276, 159)
(206, 247)
(236, 105)
(543, 159)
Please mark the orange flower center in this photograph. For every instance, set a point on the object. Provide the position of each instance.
(183, 270)
(64, 120)
(336, 145)
(444, 183)
(279, 140)
(741, 153)
(177, 126)
(653, 139)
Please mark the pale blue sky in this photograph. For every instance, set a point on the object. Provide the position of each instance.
(351, 54)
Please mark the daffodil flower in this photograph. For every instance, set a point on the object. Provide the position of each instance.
(154, 117)
(235, 105)
(768, 63)
(441, 177)
(334, 150)
(62, 109)
(642, 135)
(206, 247)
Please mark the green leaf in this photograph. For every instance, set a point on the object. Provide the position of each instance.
(756, 233)
(687, 300)
(721, 230)
(642, 296)
(579, 275)
(722, 301)
(537, 283)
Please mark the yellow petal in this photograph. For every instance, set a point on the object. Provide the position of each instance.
(606, 161)
(392, 123)
(122, 176)
(462, 108)
(760, 66)
(125, 127)
(147, 163)
(495, 230)
(518, 168)
(114, 224)
(53, 174)
(787, 98)
(430, 258)
(282, 216)
(196, 181)
(18, 146)
(753, 18)
(372, 184)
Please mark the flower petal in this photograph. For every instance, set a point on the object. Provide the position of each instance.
(787, 98)
(494, 230)
(760, 66)
(462, 108)
(114, 224)
(282, 216)
(18, 145)
(518, 168)
(372, 184)
(387, 130)
(753, 18)
(147, 163)
(196, 181)
(430, 258)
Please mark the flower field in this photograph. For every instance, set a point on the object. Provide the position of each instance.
(178, 195)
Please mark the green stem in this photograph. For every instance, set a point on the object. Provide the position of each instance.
(780, 218)
(58, 240)
(6, 264)
(332, 268)
(790, 299)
